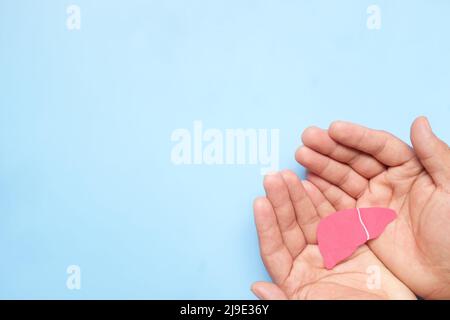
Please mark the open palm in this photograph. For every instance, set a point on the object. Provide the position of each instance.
(354, 166)
(286, 221)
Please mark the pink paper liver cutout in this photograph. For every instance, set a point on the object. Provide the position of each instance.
(342, 232)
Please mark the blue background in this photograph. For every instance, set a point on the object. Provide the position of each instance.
(86, 118)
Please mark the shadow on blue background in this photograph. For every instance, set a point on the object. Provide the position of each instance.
(86, 118)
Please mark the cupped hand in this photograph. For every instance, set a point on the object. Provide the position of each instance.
(354, 166)
(286, 221)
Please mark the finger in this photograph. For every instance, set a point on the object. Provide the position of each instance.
(278, 195)
(268, 291)
(275, 255)
(338, 198)
(320, 141)
(433, 153)
(305, 211)
(335, 172)
(382, 145)
(323, 206)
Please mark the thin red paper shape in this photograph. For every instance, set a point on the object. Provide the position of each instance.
(342, 232)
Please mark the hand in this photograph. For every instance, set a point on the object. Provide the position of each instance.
(286, 222)
(356, 166)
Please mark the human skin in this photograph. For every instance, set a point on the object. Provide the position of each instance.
(286, 221)
(353, 166)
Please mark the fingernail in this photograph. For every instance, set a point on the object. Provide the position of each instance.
(258, 292)
(427, 123)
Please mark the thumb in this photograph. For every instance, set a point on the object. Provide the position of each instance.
(268, 291)
(433, 153)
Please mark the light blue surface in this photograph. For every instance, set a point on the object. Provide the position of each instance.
(86, 119)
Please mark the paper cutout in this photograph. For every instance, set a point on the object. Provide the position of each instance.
(342, 232)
